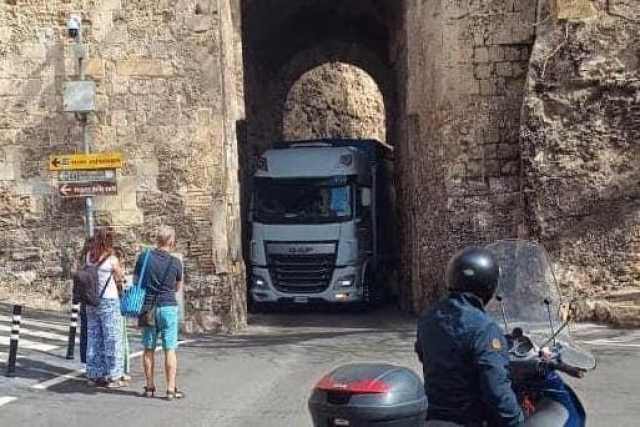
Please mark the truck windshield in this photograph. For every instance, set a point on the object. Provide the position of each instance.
(303, 201)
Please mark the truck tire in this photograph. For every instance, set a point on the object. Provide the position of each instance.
(369, 291)
(377, 292)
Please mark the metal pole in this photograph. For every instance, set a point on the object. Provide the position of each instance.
(15, 337)
(86, 143)
(88, 213)
(75, 308)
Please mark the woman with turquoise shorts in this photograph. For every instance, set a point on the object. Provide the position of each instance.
(163, 279)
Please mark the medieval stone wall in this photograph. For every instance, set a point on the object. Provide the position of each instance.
(167, 84)
(471, 164)
(459, 181)
(580, 146)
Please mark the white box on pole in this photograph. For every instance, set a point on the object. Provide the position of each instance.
(80, 96)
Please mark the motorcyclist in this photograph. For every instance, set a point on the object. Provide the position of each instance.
(464, 352)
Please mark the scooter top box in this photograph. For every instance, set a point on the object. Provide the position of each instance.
(360, 395)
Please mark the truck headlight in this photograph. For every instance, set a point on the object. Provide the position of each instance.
(346, 281)
(259, 282)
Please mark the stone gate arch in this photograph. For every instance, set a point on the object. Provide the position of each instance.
(329, 52)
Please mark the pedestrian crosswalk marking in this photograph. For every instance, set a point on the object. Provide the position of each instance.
(36, 333)
(27, 322)
(611, 343)
(5, 356)
(29, 345)
(6, 399)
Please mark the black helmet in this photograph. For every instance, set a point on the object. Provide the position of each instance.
(474, 270)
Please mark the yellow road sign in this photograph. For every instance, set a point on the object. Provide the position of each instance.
(94, 161)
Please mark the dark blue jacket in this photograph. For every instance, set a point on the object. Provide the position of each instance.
(466, 365)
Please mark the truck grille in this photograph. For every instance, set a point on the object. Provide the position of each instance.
(301, 273)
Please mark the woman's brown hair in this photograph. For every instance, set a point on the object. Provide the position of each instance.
(102, 245)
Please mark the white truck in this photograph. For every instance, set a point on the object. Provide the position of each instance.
(321, 216)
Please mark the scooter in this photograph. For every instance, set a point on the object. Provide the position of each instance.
(529, 305)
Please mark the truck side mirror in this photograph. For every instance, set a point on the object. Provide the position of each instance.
(365, 197)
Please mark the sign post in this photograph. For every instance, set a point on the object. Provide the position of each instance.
(79, 98)
(83, 175)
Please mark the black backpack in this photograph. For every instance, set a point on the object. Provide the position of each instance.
(86, 284)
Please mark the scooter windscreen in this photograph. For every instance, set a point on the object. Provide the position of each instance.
(528, 300)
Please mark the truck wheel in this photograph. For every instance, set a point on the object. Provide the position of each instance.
(369, 291)
(374, 290)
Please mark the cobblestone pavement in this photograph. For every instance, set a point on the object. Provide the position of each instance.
(262, 377)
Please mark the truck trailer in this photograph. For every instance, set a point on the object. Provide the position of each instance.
(321, 219)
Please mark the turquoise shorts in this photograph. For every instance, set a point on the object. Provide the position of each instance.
(166, 327)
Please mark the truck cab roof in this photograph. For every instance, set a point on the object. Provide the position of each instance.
(320, 158)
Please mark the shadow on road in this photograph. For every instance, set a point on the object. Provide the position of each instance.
(28, 368)
(327, 316)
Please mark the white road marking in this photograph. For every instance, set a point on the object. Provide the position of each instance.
(26, 322)
(39, 334)
(5, 356)
(611, 343)
(6, 399)
(57, 380)
(29, 345)
(73, 375)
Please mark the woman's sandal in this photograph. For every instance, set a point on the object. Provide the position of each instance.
(175, 394)
(149, 392)
(115, 384)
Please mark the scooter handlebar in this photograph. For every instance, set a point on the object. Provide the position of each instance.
(538, 367)
(563, 367)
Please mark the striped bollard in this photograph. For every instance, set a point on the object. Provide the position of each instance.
(71, 347)
(15, 336)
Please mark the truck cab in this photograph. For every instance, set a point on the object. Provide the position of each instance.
(317, 215)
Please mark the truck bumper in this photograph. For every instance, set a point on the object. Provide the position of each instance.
(267, 293)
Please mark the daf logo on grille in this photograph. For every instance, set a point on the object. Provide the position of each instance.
(300, 250)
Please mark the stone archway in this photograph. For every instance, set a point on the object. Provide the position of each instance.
(335, 52)
(279, 48)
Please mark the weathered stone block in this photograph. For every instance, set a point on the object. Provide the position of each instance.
(496, 53)
(127, 218)
(511, 168)
(516, 28)
(474, 169)
(519, 69)
(574, 9)
(144, 68)
(489, 87)
(26, 254)
(10, 87)
(199, 23)
(127, 193)
(504, 69)
(483, 71)
(95, 68)
(481, 54)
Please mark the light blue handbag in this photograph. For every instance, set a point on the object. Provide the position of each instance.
(133, 298)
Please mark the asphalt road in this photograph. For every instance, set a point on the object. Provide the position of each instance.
(263, 376)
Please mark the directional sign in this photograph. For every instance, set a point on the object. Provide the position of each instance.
(93, 161)
(87, 175)
(86, 189)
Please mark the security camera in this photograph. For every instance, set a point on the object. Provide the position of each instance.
(73, 27)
